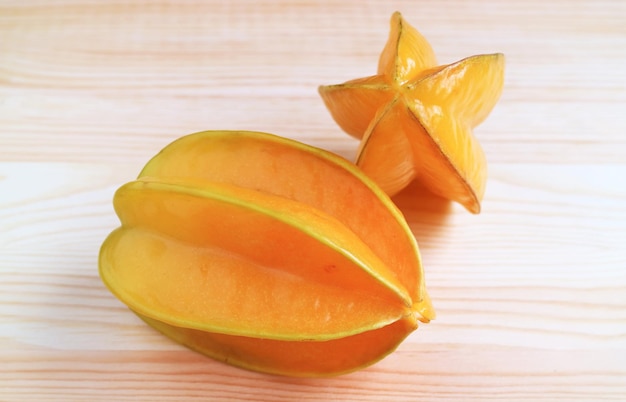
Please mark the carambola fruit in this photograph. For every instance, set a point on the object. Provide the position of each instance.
(415, 118)
(267, 254)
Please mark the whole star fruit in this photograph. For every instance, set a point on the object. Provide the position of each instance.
(267, 254)
(415, 118)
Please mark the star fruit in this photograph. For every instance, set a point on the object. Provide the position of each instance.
(267, 254)
(415, 117)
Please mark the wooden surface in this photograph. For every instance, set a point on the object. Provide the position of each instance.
(530, 294)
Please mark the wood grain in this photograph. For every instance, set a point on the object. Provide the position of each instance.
(530, 294)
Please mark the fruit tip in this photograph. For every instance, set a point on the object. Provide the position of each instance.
(423, 309)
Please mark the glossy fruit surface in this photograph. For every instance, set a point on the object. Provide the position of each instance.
(415, 118)
(267, 254)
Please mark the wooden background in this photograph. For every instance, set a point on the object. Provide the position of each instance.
(530, 294)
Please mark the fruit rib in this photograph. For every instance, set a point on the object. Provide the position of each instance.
(406, 54)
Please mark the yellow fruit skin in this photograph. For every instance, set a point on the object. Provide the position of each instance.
(415, 119)
(293, 359)
(267, 254)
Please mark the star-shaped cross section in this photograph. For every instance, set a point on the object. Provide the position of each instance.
(415, 117)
